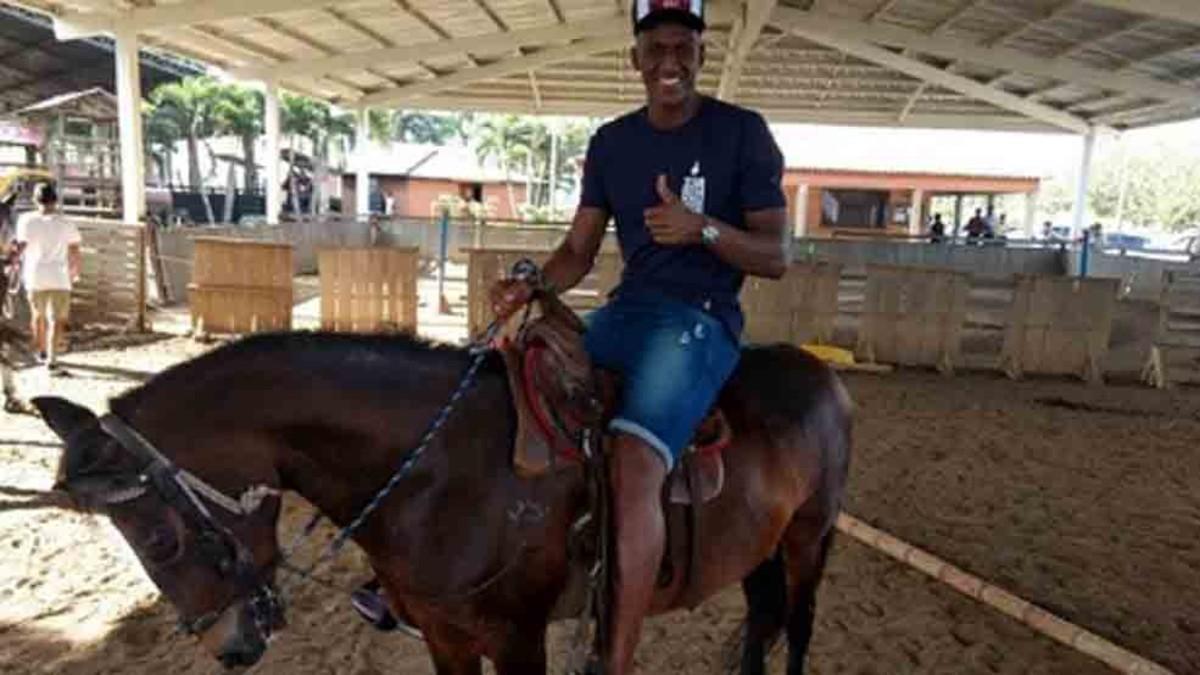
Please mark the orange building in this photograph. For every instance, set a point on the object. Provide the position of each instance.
(410, 178)
(828, 202)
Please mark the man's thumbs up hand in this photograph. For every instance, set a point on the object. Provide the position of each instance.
(671, 223)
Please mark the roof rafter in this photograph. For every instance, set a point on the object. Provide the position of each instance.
(1187, 11)
(77, 24)
(411, 52)
(957, 49)
(403, 95)
(928, 73)
(1049, 15)
(953, 18)
(754, 17)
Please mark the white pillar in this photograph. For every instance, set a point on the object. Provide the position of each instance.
(129, 116)
(362, 177)
(1031, 207)
(801, 224)
(274, 193)
(1081, 188)
(916, 215)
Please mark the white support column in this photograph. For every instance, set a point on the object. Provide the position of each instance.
(1081, 188)
(916, 215)
(801, 224)
(129, 115)
(274, 193)
(362, 177)
(1031, 207)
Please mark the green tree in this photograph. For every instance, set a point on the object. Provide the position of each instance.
(238, 111)
(160, 134)
(299, 117)
(187, 105)
(505, 139)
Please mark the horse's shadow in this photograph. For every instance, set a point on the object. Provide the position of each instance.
(31, 499)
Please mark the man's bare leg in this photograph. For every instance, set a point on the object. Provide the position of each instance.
(37, 334)
(50, 338)
(637, 474)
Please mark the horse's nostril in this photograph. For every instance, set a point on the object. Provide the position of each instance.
(239, 656)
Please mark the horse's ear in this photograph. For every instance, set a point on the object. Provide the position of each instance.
(63, 417)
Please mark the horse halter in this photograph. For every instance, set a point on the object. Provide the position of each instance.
(222, 550)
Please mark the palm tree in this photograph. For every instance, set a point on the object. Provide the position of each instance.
(299, 117)
(505, 139)
(160, 136)
(326, 127)
(188, 105)
(239, 112)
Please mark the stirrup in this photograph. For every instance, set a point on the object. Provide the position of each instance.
(371, 606)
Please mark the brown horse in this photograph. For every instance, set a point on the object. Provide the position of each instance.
(466, 550)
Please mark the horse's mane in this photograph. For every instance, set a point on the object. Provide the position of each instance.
(389, 358)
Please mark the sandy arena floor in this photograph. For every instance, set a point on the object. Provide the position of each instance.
(1085, 500)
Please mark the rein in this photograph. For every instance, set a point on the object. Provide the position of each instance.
(179, 487)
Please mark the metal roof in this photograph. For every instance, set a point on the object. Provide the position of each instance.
(35, 66)
(985, 64)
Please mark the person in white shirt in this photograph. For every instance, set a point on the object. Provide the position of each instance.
(52, 259)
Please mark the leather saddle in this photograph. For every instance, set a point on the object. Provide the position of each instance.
(558, 395)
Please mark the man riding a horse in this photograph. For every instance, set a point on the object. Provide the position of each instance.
(477, 556)
(694, 186)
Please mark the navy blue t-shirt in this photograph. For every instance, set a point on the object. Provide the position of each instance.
(727, 150)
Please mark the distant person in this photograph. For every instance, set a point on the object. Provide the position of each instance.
(977, 227)
(49, 245)
(937, 230)
(990, 221)
(1096, 234)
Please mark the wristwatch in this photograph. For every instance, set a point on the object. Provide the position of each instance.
(709, 234)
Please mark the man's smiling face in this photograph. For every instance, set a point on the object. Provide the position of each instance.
(669, 57)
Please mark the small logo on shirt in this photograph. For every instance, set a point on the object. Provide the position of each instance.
(693, 190)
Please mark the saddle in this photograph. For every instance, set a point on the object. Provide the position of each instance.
(558, 396)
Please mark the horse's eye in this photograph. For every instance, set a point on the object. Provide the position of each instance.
(161, 545)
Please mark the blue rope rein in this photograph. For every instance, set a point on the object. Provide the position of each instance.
(479, 351)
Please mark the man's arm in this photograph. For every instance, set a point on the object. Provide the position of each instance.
(761, 249)
(574, 257)
(568, 265)
(74, 261)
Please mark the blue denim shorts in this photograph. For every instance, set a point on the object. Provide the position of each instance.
(674, 360)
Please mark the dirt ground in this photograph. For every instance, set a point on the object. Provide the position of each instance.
(1085, 500)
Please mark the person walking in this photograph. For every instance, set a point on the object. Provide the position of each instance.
(50, 247)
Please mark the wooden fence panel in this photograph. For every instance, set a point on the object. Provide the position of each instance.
(913, 316)
(112, 283)
(487, 265)
(799, 309)
(1059, 326)
(1178, 332)
(369, 290)
(240, 286)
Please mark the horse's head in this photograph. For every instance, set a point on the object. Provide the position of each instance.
(211, 561)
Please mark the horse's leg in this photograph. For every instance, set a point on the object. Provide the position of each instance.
(524, 653)
(454, 660)
(767, 610)
(805, 550)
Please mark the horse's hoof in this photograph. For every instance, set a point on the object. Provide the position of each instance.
(371, 606)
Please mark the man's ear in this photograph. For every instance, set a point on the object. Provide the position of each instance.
(635, 59)
(703, 53)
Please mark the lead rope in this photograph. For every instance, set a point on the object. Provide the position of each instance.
(524, 269)
(479, 352)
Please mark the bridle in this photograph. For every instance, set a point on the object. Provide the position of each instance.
(224, 552)
(183, 490)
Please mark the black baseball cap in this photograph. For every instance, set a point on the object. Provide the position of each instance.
(650, 13)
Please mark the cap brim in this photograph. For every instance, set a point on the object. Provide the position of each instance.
(656, 19)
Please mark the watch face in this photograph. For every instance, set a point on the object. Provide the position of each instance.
(709, 234)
